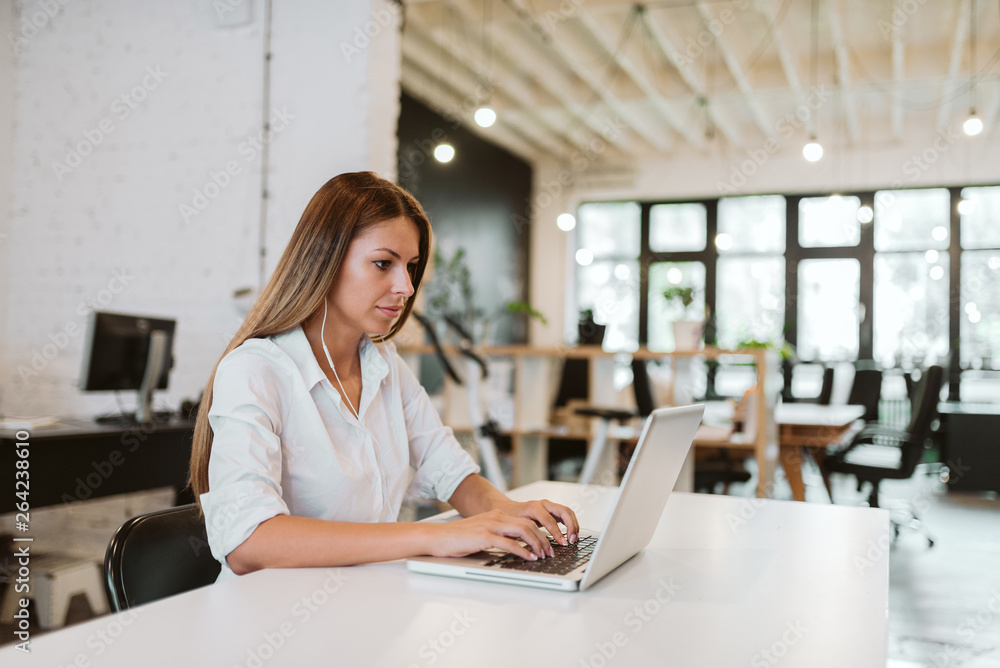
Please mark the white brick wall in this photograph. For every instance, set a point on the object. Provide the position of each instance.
(118, 208)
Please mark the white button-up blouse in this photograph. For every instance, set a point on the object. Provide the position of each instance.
(285, 443)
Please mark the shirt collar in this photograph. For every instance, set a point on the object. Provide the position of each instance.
(294, 342)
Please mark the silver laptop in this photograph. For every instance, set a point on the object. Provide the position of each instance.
(642, 496)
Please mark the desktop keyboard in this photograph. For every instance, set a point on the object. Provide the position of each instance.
(565, 559)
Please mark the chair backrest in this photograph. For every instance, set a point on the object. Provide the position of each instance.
(644, 401)
(575, 381)
(866, 390)
(826, 391)
(925, 403)
(156, 555)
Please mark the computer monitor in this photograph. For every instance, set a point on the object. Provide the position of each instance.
(128, 352)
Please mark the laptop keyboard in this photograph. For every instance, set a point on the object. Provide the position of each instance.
(565, 558)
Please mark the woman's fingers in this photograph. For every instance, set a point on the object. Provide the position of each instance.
(541, 512)
(566, 516)
(516, 527)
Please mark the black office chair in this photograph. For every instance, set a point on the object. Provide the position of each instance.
(709, 471)
(644, 406)
(156, 555)
(866, 390)
(878, 453)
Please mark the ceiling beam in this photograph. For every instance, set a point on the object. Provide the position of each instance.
(504, 89)
(575, 60)
(898, 72)
(424, 84)
(959, 36)
(667, 49)
(536, 64)
(764, 8)
(640, 77)
(843, 61)
(739, 76)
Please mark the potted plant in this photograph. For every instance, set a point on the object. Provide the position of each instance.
(687, 331)
(588, 331)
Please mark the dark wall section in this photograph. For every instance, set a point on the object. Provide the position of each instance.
(472, 202)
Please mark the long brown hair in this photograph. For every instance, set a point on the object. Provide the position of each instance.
(343, 208)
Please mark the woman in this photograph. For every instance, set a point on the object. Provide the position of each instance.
(309, 426)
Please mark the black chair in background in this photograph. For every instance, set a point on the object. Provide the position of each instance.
(866, 390)
(644, 406)
(878, 453)
(156, 555)
(711, 468)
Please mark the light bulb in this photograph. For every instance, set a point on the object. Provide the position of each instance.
(723, 241)
(865, 214)
(966, 207)
(565, 221)
(812, 151)
(444, 153)
(485, 117)
(584, 257)
(972, 125)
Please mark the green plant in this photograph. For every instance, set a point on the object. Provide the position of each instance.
(684, 294)
(526, 309)
(786, 352)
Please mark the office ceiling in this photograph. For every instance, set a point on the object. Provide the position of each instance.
(600, 84)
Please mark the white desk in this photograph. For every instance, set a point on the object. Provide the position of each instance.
(725, 582)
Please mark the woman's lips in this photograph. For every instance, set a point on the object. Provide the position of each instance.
(392, 312)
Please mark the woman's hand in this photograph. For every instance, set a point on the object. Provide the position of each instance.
(494, 529)
(545, 513)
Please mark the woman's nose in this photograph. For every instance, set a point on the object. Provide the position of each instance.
(404, 284)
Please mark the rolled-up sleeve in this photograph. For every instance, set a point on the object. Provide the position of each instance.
(440, 462)
(244, 470)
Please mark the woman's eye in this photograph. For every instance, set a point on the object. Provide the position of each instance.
(383, 264)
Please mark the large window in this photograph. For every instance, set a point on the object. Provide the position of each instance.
(904, 277)
(979, 315)
(751, 270)
(828, 309)
(607, 263)
(829, 221)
